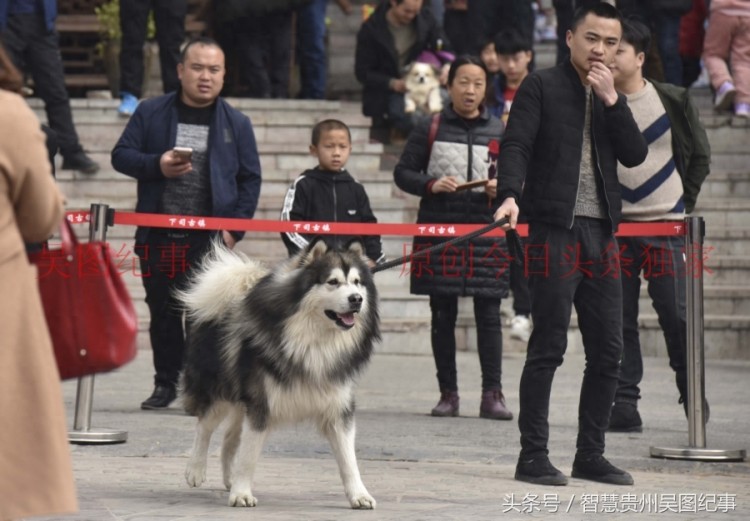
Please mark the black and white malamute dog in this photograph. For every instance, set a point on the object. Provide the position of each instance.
(270, 347)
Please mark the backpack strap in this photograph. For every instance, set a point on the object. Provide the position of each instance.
(432, 134)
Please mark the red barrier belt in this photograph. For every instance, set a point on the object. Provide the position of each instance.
(188, 222)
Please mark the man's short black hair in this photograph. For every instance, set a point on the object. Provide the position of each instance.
(637, 34)
(602, 10)
(326, 126)
(200, 40)
(511, 41)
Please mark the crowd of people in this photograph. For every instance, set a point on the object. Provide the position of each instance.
(572, 150)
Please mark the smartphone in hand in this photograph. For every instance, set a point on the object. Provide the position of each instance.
(183, 153)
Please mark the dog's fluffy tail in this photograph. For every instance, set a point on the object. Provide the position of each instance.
(222, 281)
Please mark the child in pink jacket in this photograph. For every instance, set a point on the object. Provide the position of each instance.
(728, 39)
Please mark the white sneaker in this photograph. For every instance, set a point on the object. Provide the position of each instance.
(520, 328)
(725, 96)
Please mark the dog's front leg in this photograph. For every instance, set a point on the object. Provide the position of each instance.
(341, 435)
(435, 101)
(195, 473)
(251, 443)
(231, 443)
(409, 105)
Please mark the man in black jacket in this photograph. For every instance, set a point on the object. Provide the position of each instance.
(566, 132)
(393, 37)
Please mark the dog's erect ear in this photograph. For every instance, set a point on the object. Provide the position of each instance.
(355, 246)
(315, 250)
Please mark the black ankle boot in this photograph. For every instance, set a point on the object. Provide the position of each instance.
(625, 418)
(162, 396)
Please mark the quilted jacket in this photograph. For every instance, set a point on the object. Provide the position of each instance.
(466, 149)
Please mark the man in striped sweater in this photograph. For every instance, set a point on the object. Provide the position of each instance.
(662, 188)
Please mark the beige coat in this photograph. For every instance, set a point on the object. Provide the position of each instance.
(36, 475)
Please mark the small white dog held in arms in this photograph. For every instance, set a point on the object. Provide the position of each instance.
(422, 89)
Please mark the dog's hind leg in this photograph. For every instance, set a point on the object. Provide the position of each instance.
(195, 473)
(231, 442)
(340, 434)
(243, 467)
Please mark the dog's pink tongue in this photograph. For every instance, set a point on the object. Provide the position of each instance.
(347, 318)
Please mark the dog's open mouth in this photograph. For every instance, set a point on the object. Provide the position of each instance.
(343, 320)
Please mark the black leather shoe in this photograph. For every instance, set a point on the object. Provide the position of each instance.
(625, 418)
(161, 398)
(78, 160)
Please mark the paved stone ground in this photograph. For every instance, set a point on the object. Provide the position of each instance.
(418, 467)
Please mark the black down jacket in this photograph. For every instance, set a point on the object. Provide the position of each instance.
(466, 149)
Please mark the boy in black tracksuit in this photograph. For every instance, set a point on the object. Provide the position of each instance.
(328, 193)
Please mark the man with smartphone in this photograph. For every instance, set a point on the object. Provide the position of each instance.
(192, 154)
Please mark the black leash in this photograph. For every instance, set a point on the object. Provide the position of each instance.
(513, 237)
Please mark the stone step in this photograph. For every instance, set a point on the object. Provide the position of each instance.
(107, 107)
(729, 162)
(103, 136)
(274, 121)
(724, 336)
(726, 183)
(729, 241)
(729, 136)
(280, 165)
(734, 180)
(727, 270)
(723, 211)
(717, 300)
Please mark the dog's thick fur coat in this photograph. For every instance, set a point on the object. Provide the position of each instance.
(422, 90)
(270, 347)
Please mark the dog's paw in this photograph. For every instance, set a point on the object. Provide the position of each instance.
(195, 475)
(409, 105)
(242, 498)
(362, 501)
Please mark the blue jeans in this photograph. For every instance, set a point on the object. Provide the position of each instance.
(565, 270)
(661, 261)
(311, 50)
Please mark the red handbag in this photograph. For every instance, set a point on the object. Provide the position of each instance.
(91, 318)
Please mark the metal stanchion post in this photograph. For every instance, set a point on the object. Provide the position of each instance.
(82, 431)
(696, 450)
